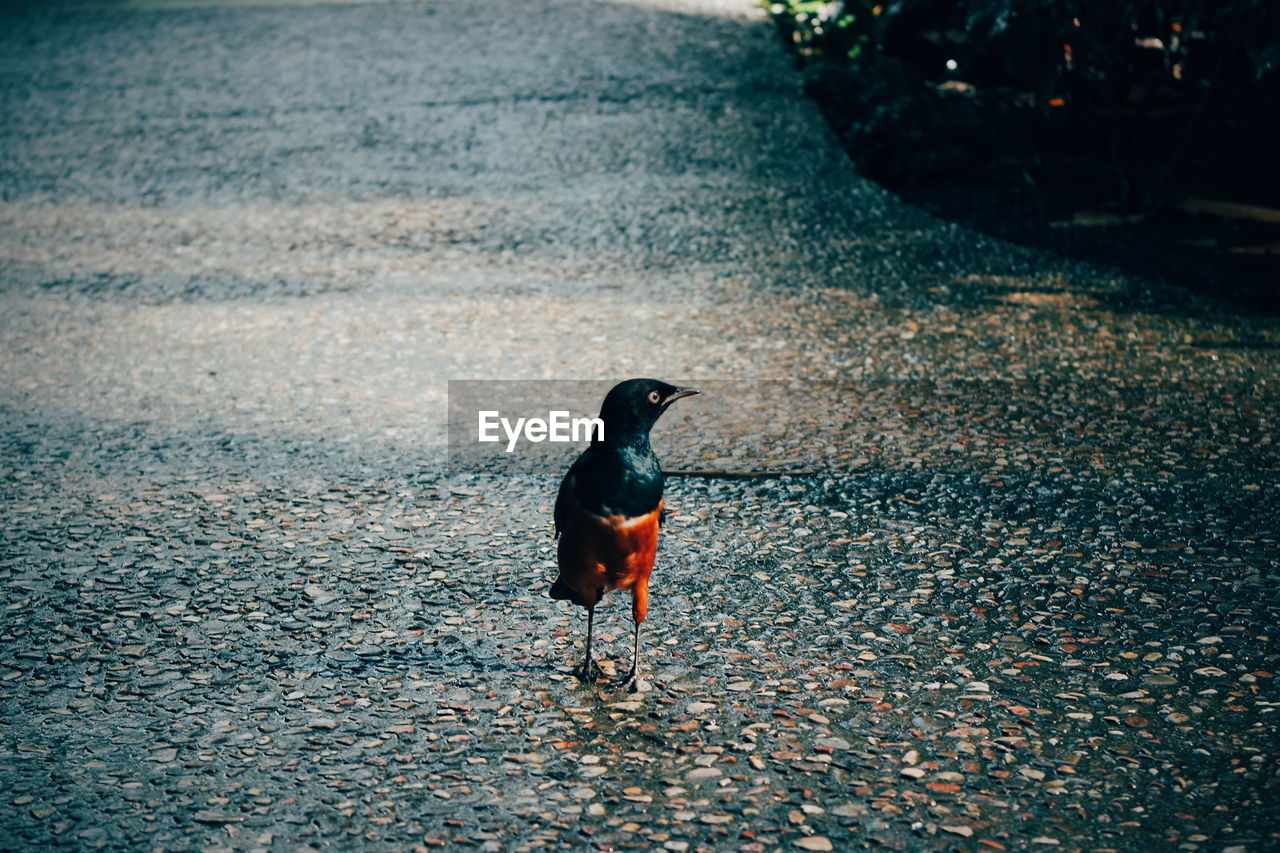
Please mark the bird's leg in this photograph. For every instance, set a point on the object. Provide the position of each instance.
(632, 680)
(590, 670)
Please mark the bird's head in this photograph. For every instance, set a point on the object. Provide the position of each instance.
(634, 406)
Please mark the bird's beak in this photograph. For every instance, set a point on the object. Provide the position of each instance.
(677, 394)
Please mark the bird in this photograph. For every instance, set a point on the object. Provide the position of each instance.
(608, 511)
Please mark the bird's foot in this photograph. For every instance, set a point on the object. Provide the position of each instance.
(589, 671)
(632, 683)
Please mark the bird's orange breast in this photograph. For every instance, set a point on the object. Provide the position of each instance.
(608, 552)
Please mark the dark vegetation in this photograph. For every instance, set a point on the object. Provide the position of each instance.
(1140, 133)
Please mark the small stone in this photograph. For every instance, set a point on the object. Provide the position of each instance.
(319, 594)
(814, 842)
(958, 829)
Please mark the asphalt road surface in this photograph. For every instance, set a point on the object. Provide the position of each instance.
(1021, 594)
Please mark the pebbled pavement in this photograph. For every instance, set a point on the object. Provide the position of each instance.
(1025, 600)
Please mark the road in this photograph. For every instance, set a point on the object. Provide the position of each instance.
(1021, 596)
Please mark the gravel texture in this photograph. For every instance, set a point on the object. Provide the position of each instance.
(1025, 598)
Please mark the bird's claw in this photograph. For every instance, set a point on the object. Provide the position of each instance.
(631, 683)
(588, 671)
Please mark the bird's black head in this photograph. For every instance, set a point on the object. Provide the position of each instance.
(631, 408)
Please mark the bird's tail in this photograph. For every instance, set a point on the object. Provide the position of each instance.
(560, 590)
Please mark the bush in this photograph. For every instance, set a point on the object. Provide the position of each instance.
(1149, 91)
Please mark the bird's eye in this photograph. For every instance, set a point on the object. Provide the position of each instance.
(654, 397)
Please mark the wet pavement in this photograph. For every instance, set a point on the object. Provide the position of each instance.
(1023, 597)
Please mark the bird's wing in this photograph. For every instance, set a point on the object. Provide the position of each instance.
(582, 471)
(563, 501)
